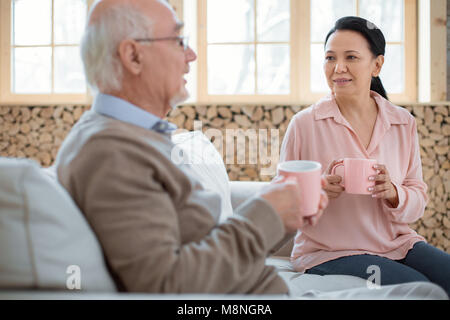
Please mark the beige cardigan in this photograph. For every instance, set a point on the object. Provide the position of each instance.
(157, 226)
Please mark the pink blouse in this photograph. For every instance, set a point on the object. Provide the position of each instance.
(359, 224)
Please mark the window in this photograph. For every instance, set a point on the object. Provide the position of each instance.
(263, 51)
(40, 58)
(249, 51)
(389, 16)
(255, 47)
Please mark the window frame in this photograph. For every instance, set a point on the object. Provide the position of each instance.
(300, 69)
(7, 97)
(300, 92)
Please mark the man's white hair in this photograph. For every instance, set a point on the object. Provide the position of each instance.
(99, 45)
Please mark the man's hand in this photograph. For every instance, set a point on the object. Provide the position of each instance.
(284, 198)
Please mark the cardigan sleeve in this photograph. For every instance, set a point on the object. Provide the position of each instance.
(136, 219)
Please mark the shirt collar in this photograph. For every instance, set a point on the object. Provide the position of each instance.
(122, 110)
(328, 108)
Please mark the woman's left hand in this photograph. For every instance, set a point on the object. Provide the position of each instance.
(384, 188)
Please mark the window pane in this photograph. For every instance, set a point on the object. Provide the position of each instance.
(70, 18)
(32, 22)
(317, 78)
(69, 76)
(273, 69)
(231, 69)
(32, 70)
(386, 15)
(324, 14)
(273, 20)
(392, 73)
(230, 21)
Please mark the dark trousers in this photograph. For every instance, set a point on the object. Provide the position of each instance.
(422, 263)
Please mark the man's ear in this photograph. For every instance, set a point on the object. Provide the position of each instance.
(130, 56)
(379, 61)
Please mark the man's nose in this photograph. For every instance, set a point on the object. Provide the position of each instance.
(190, 55)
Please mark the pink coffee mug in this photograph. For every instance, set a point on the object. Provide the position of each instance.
(308, 176)
(356, 174)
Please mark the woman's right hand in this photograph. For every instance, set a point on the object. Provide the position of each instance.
(332, 186)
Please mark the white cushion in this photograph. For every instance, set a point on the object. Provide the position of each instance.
(206, 162)
(43, 234)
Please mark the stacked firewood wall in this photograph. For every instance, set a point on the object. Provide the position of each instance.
(37, 133)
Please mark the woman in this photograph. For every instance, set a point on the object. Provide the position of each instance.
(358, 232)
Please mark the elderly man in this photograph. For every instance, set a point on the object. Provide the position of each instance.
(157, 226)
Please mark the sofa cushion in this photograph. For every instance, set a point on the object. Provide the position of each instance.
(45, 242)
(195, 150)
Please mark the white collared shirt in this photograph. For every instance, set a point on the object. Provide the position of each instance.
(122, 110)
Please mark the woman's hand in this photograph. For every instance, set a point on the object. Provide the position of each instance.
(332, 186)
(384, 188)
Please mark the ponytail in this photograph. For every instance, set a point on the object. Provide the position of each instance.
(377, 86)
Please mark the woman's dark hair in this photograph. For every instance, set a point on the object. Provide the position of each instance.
(373, 35)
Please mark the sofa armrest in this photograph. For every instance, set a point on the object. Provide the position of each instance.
(284, 247)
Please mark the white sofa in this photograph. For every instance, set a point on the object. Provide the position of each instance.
(48, 250)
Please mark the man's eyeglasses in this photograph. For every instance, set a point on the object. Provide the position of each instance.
(183, 41)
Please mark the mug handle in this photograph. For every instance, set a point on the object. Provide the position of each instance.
(282, 178)
(285, 179)
(333, 168)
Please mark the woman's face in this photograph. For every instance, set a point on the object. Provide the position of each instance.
(349, 64)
